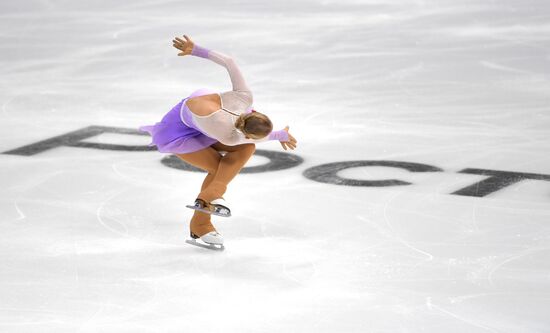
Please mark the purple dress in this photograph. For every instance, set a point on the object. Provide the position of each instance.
(173, 135)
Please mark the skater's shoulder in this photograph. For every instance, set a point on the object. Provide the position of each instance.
(214, 97)
(204, 105)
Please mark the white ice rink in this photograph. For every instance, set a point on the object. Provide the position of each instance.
(93, 240)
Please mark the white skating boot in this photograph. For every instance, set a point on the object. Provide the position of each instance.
(213, 237)
(212, 240)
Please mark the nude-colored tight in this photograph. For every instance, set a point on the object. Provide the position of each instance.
(221, 170)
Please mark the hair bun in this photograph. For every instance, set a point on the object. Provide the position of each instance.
(239, 124)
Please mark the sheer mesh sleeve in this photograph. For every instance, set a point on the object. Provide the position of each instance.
(237, 78)
(238, 138)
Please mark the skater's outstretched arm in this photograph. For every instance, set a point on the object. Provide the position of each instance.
(237, 79)
(283, 136)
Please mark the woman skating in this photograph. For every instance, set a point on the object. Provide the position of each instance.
(206, 123)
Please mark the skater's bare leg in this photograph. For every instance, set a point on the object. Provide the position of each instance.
(229, 166)
(200, 222)
(207, 159)
(221, 170)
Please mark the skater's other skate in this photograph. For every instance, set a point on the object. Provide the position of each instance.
(212, 240)
(215, 207)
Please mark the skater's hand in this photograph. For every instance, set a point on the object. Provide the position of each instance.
(291, 143)
(186, 46)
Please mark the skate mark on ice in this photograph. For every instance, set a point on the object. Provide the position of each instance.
(510, 259)
(493, 65)
(430, 306)
(138, 180)
(19, 212)
(399, 239)
(99, 213)
(459, 299)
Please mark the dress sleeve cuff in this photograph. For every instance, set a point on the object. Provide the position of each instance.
(199, 51)
(280, 135)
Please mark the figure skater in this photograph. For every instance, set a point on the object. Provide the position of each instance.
(206, 123)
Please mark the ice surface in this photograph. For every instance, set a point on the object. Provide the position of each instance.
(94, 240)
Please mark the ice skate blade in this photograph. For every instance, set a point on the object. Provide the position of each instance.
(214, 247)
(208, 211)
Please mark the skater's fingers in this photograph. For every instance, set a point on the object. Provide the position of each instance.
(291, 138)
(180, 40)
(178, 46)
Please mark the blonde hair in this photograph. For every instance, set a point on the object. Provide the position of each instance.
(254, 124)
